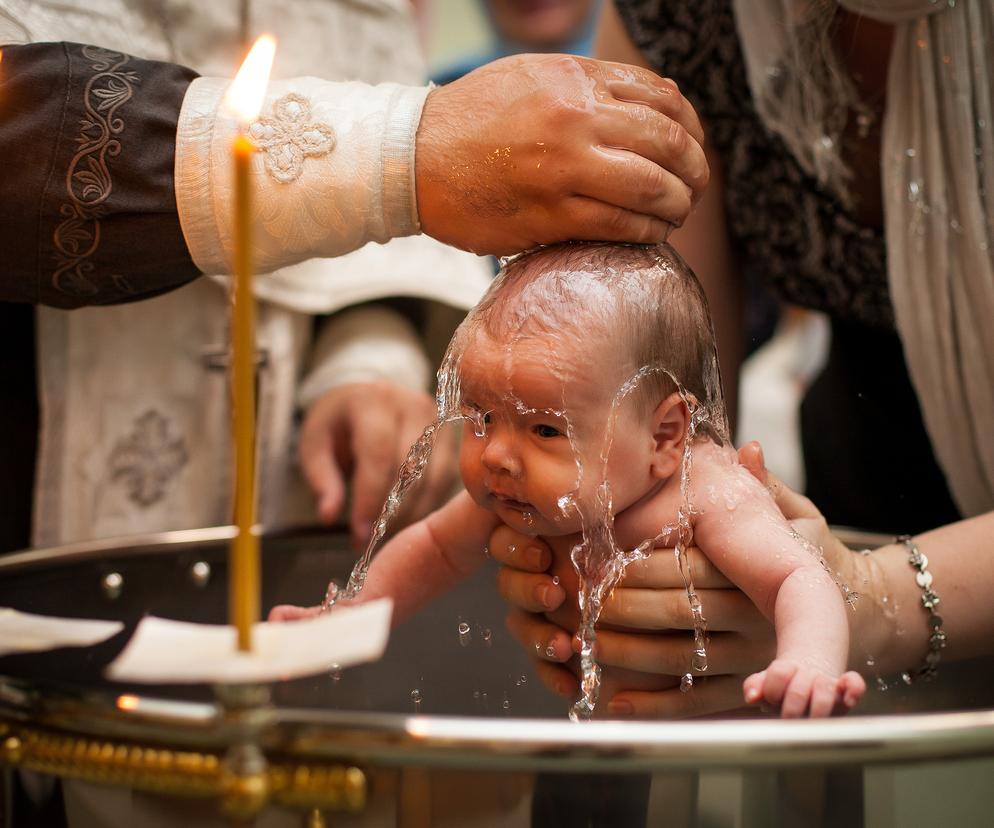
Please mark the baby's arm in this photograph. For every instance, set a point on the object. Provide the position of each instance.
(431, 556)
(748, 539)
(423, 560)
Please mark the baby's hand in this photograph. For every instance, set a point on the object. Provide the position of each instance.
(800, 689)
(289, 612)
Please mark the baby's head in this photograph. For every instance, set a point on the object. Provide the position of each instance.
(575, 345)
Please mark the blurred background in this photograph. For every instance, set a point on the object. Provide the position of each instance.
(455, 29)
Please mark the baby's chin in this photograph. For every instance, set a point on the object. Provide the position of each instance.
(534, 522)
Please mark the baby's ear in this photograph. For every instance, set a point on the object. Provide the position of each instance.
(670, 422)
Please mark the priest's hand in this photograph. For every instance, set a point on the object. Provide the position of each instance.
(362, 431)
(535, 149)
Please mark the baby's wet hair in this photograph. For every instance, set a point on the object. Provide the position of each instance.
(643, 299)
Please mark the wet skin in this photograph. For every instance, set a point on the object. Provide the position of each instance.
(517, 459)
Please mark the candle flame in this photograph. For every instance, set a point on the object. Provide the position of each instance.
(127, 702)
(244, 97)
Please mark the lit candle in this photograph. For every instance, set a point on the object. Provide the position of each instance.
(244, 101)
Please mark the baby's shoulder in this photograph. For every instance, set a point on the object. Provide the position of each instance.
(719, 484)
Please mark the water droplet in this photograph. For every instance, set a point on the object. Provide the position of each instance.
(528, 518)
(550, 651)
(870, 661)
(465, 635)
(511, 549)
(486, 551)
(522, 679)
(505, 703)
(906, 678)
(910, 152)
(416, 698)
(487, 636)
(330, 596)
(686, 682)
(882, 685)
(336, 672)
(555, 580)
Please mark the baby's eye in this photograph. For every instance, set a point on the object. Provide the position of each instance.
(547, 431)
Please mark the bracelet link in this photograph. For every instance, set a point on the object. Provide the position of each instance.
(930, 600)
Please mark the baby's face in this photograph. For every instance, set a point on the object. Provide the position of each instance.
(517, 458)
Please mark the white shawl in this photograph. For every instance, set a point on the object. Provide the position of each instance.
(937, 162)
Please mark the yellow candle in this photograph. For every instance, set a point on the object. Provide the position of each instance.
(244, 577)
(244, 100)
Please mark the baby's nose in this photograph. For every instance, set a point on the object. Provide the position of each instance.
(499, 455)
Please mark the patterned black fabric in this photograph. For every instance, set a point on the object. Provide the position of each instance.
(87, 204)
(787, 230)
(860, 420)
(87, 215)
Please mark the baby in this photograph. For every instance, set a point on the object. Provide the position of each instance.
(587, 382)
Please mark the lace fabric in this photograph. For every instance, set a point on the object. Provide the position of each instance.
(937, 164)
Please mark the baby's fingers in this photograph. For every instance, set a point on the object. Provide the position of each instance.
(752, 687)
(850, 689)
(289, 612)
(823, 695)
(798, 694)
(776, 679)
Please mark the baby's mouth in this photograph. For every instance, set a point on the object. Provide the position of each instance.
(511, 503)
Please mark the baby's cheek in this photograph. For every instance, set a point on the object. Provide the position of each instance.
(470, 467)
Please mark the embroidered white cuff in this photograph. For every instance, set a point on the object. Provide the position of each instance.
(335, 170)
(361, 345)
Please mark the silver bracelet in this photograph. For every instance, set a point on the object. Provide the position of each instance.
(930, 600)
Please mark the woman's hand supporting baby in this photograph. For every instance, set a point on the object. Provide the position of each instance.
(652, 598)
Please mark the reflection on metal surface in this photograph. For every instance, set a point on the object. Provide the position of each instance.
(132, 544)
(66, 720)
(181, 773)
(200, 574)
(376, 738)
(112, 583)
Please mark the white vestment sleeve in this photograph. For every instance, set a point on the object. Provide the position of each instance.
(335, 170)
(364, 344)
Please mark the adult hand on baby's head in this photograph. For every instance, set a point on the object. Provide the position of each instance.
(364, 430)
(535, 149)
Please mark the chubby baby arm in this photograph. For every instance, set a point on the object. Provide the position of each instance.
(807, 676)
(422, 561)
(745, 535)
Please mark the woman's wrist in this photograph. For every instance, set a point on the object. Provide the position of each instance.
(889, 629)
